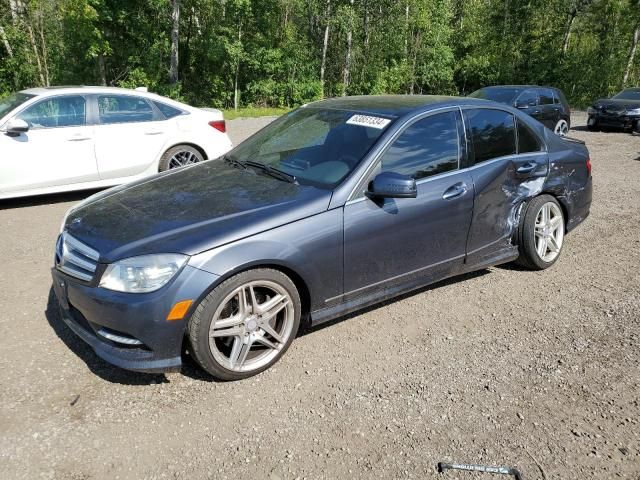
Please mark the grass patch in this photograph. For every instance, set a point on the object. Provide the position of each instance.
(254, 112)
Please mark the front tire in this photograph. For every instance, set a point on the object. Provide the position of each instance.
(179, 156)
(541, 233)
(245, 324)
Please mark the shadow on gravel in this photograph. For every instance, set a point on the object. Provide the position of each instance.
(98, 366)
(50, 199)
(444, 283)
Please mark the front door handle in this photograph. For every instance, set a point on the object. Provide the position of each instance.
(527, 167)
(154, 132)
(455, 191)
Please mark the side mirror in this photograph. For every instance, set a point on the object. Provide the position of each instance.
(522, 105)
(392, 185)
(15, 127)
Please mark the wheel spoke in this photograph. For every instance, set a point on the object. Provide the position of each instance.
(270, 304)
(271, 331)
(239, 352)
(555, 222)
(266, 342)
(227, 332)
(542, 247)
(553, 244)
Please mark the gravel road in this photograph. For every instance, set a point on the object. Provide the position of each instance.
(538, 370)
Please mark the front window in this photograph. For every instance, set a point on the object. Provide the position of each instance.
(12, 102)
(427, 147)
(500, 95)
(318, 147)
(629, 94)
(67, 111)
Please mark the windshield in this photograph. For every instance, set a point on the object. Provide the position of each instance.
(319, 147)
(501, 95)
(13, 101)
(630, 94)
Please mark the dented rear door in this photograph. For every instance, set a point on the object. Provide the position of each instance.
(508, 163)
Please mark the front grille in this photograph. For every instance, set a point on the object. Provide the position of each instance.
(75, 258)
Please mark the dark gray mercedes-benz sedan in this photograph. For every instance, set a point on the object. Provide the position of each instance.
(337, 205)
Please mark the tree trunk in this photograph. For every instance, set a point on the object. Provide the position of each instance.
(5, 42)
(347, 62)
(34, 47)
(325, 44)
(43, 44)
(175, 36)
(567, 31)
(406, 31)
(236, 94)
(102, 69)
(632, 54)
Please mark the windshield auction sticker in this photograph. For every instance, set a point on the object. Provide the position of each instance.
(368, 121)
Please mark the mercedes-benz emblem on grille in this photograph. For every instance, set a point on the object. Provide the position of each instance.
(75, 258)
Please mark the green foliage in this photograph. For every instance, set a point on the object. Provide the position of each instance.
(272, 50)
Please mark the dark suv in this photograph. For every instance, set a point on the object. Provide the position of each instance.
(548, 105)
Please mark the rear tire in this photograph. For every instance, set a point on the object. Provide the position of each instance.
(541, 234)
(179, 156)
(245, 324)
(561, 128)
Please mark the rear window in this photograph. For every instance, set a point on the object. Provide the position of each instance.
(546, 96)
(168, 111)
(500, 95)
(123, 109)
(492, 132)
(527, 140)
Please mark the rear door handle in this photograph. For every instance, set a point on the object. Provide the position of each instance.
(455, 191)
(527, 167)
(78, 138)
(154, 132)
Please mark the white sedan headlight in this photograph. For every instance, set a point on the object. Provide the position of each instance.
(143, 274)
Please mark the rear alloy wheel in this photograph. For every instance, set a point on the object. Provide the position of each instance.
(180, 156)
(246, 324)
(541, 233)
(562, 128)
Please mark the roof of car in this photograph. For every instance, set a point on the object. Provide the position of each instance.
(392, 105)
(42, 91)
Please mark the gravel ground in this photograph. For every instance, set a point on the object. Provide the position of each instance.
(538, 370)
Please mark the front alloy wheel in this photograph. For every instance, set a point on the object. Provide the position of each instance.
(245, 325)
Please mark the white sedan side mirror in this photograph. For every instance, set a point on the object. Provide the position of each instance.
(16, 126)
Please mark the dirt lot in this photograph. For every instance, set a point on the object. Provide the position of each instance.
(538, 370)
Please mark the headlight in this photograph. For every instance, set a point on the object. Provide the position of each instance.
(142, 274)
(633, 111)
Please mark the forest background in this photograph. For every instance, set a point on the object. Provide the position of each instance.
(282, 53)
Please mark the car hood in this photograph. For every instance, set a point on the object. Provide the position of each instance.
(190, 210)
(616, 104)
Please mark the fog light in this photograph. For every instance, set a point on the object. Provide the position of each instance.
(179, 310)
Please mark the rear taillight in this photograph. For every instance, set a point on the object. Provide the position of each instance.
(219, 125)
(589, 166)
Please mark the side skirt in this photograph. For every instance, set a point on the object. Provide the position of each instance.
(386, 293)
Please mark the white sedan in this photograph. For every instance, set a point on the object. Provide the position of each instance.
(72, 138)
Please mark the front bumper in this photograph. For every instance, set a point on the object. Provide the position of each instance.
(92, 311)
(612, 120)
